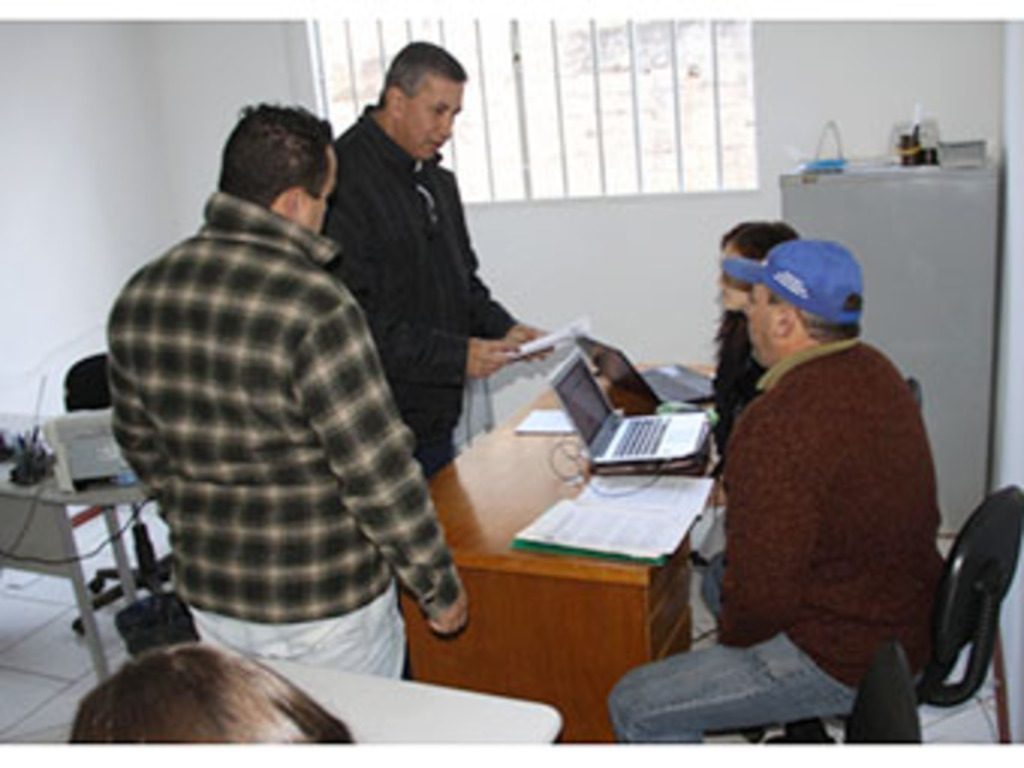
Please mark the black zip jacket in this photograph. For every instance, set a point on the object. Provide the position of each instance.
(406, 256)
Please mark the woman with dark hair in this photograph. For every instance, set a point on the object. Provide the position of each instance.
(737, 371)
(194, 693)
(736, 377)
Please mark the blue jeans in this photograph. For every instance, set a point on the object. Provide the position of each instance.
(679, 699)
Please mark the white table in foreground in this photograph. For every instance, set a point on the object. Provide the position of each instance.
(385, 711)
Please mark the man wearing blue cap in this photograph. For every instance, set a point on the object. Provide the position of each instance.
(830, 534)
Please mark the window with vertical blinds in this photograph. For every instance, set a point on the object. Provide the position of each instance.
(569, 109)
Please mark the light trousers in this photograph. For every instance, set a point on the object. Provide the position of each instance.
(369, 641)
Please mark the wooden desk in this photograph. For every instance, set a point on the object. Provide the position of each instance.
(35, 528)
(550, 628)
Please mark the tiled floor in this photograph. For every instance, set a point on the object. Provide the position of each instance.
(45, 668)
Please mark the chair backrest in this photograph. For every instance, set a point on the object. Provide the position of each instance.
(885, 710)
(916, 391)
(86, 386)
(978, 573)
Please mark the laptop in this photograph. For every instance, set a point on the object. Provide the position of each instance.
(610, 439)
(667, 384)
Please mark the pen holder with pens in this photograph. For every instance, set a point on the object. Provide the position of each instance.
(32, 462)
(916, 142)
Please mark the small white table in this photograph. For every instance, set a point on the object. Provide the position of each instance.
(382, 710)
(35, 530)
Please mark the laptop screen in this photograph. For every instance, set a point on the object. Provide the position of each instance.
(616, 368)
(582, 398)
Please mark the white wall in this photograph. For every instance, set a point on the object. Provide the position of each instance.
(79, 154)
(660, 253)
(135, 146)
(109, 145)
(1009, 433)
(205, 73)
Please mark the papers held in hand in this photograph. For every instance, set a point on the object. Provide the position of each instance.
(563, 335)
(637, 517)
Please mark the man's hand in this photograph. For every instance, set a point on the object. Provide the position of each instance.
(485, 357)
(520, 334)
(454, 618)
(718, 494)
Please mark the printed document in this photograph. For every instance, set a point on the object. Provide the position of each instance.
(639, 516)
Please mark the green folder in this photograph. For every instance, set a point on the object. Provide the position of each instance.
(558, 549)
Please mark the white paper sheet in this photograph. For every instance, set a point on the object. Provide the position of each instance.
(637, 516)
(545, 422)
(563, 335)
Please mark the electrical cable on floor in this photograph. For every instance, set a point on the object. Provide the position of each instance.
(9, 555)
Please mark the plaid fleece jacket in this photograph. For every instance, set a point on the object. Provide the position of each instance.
(249, 396)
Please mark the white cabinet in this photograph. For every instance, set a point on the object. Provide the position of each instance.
(927, 239)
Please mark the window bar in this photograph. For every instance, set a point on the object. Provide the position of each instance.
(517, 71)
(637, 138)
(382, 52)
(560, 110)
(678, 119)
(486, 114)
(597, 106)
(453, 141)
(323, 102)
(718, 104)
(352, 70)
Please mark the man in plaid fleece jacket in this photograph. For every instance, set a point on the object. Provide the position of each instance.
(248, 395)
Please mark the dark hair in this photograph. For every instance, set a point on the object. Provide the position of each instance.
(273, 149)
(416, 61)
(753, 240)
(194, 693)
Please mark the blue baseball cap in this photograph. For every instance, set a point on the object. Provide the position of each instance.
(815, 275)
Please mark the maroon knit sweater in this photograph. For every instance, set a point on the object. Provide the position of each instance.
(832, 516)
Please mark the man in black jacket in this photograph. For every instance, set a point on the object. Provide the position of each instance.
(406, 252)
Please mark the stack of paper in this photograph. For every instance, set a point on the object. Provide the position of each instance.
(640, 517)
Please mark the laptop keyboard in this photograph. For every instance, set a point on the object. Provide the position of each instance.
(641, 437)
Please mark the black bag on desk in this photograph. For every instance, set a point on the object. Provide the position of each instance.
(154, 621)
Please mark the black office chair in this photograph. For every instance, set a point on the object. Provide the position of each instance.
(979, 570)
(86, 387)
(885, 710)
(916, 390)
(978, 573)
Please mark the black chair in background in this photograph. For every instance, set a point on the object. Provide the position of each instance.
(978, 574)
(86, 387)
(916, 390)
(885, 710)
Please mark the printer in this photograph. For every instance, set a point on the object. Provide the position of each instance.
(85, 450)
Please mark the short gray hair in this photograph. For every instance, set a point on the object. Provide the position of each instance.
(416, 61)
(820, 329)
